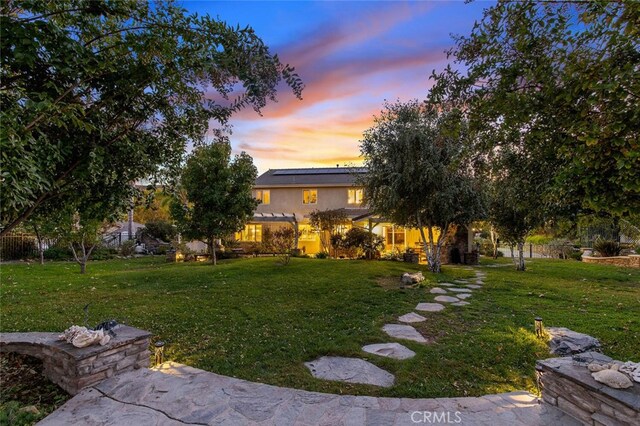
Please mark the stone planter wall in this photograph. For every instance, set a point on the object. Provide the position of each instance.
(631, 261)
(571, 388)
(74, 368)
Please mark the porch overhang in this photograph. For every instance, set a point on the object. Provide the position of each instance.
(275, 217)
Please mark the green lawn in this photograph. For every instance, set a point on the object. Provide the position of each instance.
(257, 320)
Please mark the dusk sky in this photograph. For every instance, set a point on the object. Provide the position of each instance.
(351, 56)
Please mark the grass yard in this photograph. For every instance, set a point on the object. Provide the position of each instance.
(257, 320)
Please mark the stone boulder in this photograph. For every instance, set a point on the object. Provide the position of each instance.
(412, 278)
(568, 342)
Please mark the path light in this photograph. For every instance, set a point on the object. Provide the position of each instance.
(159, 352)
(539, 328)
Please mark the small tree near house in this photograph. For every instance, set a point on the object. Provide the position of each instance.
(326, 223)
(416, 175)
(214, 197)
(282, 242)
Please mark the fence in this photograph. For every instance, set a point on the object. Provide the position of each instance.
(540, 251)
(18, 246)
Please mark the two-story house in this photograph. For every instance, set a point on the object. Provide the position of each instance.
(289, 196)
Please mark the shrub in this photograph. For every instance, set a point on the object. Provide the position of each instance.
(539, 240)
(58, 253)
(103, 253)
(607, 248)
(560, 249)
(485, 247)
(393, 255)
(361, 241)
(576, 255)
(321, 255)
(128, 248)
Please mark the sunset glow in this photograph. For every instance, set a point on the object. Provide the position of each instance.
(352, 56)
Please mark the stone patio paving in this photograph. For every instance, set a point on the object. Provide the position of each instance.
(175, 394)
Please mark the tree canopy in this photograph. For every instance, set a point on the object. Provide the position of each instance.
(98, 94)
(564, 78)
(417, 176)
(214, 196)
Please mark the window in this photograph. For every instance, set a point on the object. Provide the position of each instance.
(250, 232)
(263, 195)
(394, 235)
(306, 233)
(309, 196)
(355, 196)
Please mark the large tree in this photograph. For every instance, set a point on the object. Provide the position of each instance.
(214, 197)
(98, 94)
(417, 174)
(566, 77)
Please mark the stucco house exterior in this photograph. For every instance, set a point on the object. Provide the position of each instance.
(289, 196)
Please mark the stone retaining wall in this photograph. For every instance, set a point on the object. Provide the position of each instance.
(571, 388)
(75, 368)
(631, 261)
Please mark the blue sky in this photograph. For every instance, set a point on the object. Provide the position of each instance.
(352, 56)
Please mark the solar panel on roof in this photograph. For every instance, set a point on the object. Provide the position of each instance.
(329, 171)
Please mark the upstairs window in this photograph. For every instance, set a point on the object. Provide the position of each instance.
(264, 196)
(309, 196)
(355, 196)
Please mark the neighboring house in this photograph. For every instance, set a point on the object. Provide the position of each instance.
(289, 196)
(118, 233)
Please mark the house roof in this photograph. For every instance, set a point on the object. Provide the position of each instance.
(329, 176)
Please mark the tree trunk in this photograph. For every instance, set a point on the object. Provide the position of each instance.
(521, 266)
(494, 241)
(40, 243)
(211, 246)
(83, 266)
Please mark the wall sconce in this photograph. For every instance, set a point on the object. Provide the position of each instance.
(159, 352)
(539, 328)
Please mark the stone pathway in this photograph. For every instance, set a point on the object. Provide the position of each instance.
(429, 307)
(349, 370)
(405, 332)
(178, 395)
(353, 370)
(446, 299)
(390, 350)
(412, 317)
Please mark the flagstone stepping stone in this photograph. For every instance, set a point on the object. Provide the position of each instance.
(460, 289)
(390, 350)
(461, 281)
(412, 317)
(463, 295)
(479, 282)
(429, 307)
(406, 332)
(349, 370)
(461, 303)
(474, 286)
(447, 284)
(447, 299)
(438, 290)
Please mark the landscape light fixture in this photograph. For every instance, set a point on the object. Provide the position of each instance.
(539, 327)
(159, 352)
